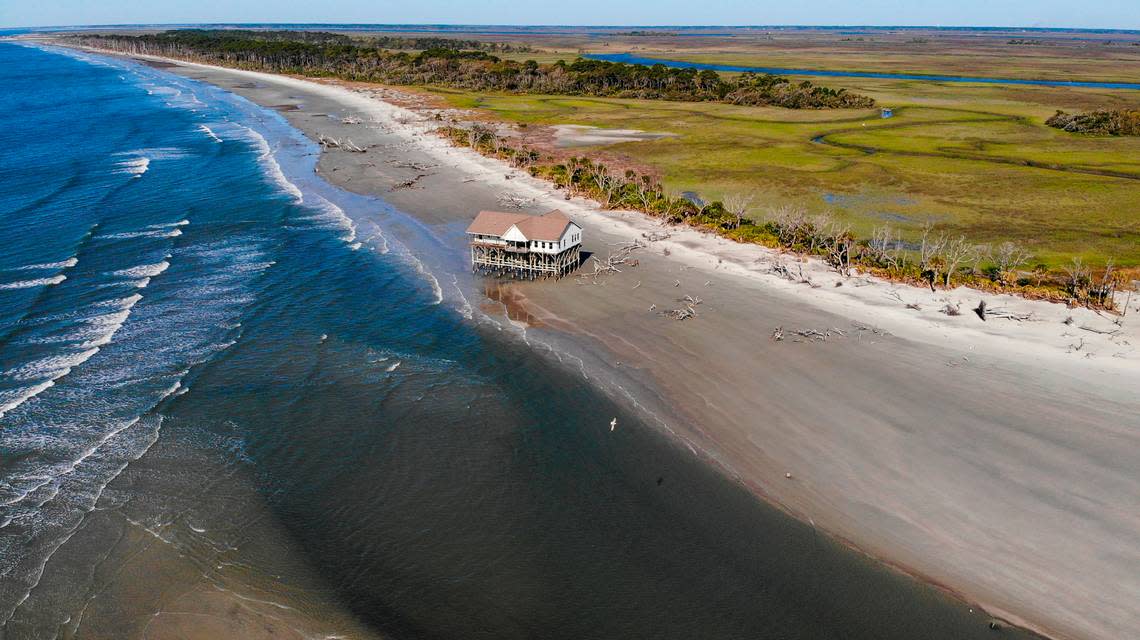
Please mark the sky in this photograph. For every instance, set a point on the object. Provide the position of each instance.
(1114, 14)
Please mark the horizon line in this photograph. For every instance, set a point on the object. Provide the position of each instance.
(593, 26)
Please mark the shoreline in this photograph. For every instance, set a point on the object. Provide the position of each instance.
(724, 436)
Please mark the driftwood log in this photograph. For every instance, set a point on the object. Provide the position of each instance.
(617, 258)
(686, 310)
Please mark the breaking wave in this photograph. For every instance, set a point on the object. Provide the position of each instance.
(135, 166)
(38, 282)
(209, 132)
(163, 232)
(62, 264)
(269, 163)
(143, 270)
(12, 398)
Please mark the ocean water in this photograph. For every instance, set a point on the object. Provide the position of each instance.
(214, 384)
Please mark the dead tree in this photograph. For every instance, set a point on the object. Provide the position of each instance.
(839, 251)
(957, 251)
(930, 253)
(1077, 277)
(686, 310)
(616, 258)
(1006, 257)
(884, 247)
(1103, 289)
(349, 145)
(606, 183)
(648, 192)
(332, 143)
(737, 204)
(407, 164)
(512, 201)
(791, 223)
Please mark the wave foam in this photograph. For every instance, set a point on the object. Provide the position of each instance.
(13, 398)
(269, 163)
(150, 233)
(51, 367)
(142, 270)
(331, 216)
(38, 282)
(62, 264)
(209, 132)
(169, 225)
(135, 167)
(435, 288)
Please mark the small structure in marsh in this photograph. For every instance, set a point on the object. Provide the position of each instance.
(888, 112)
(524, 246)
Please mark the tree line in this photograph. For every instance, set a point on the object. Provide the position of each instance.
(936, 259)
(221, 37)
(446, 63)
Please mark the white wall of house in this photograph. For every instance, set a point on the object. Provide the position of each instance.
(514, 235)
(571, 236)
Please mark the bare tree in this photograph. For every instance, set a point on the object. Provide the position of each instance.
(608, 184)
(1104, 288)
(931, 245)
(480, 134)
(737, 204)
(839, 244)
(885, 246)
(1006, 257)
(1077, 277)
(675, 207)
(956, 252)
(647, 192)
(790, 223)
(821, 230)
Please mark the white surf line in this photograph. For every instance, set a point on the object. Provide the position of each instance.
(104, 328)
(143, 270)
(135, 167)
(37, 282)
(58, 471)
(333, 215)
(9, 400)
(63, 264)
(39, 571)
(209, 132)
(269, 163)
(165, 232)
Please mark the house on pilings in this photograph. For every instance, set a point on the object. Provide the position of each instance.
(523, 246)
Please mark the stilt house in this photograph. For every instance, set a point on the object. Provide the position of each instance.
(524, 246)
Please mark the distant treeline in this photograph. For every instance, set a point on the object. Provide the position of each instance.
(236, 37)
(328, 55)
(1122, 122)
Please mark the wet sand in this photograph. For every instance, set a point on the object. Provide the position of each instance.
(222, 566)
(991, 459)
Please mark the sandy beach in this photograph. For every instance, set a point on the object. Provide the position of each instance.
(997, 459)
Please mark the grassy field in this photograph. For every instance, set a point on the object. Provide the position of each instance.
(974, 159)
